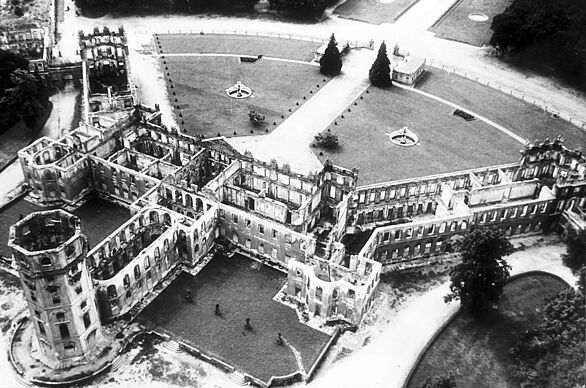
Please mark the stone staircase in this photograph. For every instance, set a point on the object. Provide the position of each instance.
(122, 360)
(238, 378)
(172, 346)
(21, 380)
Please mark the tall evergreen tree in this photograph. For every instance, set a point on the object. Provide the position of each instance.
(479, 279)
(380, 71)
(331, 62)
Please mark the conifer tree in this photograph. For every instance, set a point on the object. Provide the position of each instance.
(331, 62)
(380, 71)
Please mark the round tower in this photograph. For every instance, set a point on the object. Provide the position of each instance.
(50, 253)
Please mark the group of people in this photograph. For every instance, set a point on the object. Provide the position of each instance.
(218, 312)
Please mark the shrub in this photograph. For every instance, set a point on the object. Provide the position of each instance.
(327, 140)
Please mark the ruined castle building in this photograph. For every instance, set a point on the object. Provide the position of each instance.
(50, 253)
(188, 195)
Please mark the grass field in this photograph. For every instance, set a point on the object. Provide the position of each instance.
(204, 107)
(237, 44)
(520, 117)
(447, 143)
(456, 25)
(243, 290)
(374, 11)
(477, 352)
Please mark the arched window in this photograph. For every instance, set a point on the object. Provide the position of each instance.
(60, 316)
(126, 281)
(46, 261)
(188, 201)
(64, 331)
(154, 217)
(147, 262)
(157, 253)
(112, 293)
(86, 320)
(166, 245)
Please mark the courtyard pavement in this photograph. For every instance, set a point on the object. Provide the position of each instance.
(243, 289)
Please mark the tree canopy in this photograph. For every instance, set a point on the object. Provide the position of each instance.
(575, 256)
(311, 8)
(479, 279)
(23, 96)
(443, 381)
(380, 71)
(552, 355)
(548, 36)
(331, 62)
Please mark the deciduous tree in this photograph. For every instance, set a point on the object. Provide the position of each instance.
(575, 256)
(552, 355)
(443, 381)
(479, 279)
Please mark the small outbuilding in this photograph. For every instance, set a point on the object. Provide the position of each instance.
(409, 71)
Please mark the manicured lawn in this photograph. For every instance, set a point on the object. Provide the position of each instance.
(518, 116)
(237, 44)
(447, 143)
(200, 85)
(477, 352)
(10, 216)
(243, 290)
(374, 11)
(456, 25)
(99, 218)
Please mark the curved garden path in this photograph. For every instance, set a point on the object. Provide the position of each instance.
(388, 359)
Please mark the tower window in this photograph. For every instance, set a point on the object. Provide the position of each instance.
(69, 346)
(60, 316)
(64, 331)
(42, 328)
(86, 320)
(46, 262)
(83, 304)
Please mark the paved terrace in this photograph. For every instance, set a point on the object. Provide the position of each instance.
(243, 289)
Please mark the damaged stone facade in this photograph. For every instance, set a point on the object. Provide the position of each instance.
(188, 196)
